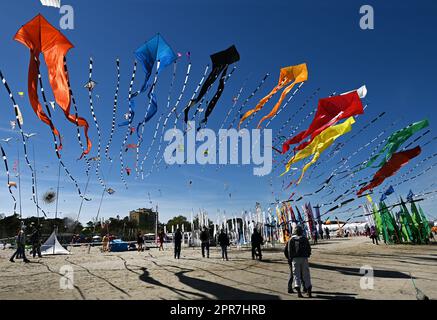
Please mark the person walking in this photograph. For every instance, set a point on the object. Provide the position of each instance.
(223, 241)
(374, 235)
(35, 238)
(297, 251)
(177, 243)
(21, 247)
(204, 238)
(256, 240)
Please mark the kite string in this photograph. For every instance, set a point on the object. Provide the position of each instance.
(23, 140)
(225, 78)
(286, 103)
(193, 96)
(314, 94)
(5, 160)
(73, 100)
(170, 91)
(129, 124)
(174, 110)
(99, 142)
(58, 155)
(114, 111)
(192, 99)
(246, 101)
(140, 136)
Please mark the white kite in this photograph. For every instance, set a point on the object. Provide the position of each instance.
(51, 3)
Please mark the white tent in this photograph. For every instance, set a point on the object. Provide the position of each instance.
(52, 246)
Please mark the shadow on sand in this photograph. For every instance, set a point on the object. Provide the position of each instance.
(356, 271)
(220, 291)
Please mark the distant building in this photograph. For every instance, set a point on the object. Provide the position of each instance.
(145, 218)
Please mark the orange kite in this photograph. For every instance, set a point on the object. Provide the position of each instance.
(293, 75)
(41, 37)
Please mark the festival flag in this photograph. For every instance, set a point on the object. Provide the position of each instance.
(386, 193)
(396, 162)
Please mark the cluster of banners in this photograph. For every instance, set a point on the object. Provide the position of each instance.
(401, 227)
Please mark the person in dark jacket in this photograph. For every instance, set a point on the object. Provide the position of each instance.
(35, 238)
(21, 246)
(204, 238)
(177, 243)
(161, 237)
(297, 251)
(328, 235)
(256, 240)
(223, 241)
(140, 241)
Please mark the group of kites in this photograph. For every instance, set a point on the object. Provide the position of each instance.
(333, 118)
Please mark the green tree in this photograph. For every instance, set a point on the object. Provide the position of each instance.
(179, 220)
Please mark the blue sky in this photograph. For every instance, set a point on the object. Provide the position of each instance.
(396, 61)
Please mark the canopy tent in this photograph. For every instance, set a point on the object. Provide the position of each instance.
(52, 246)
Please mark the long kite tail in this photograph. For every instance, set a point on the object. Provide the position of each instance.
(292, 117)
(170, 91)
(55, 141)
(114, 111)
(143, 124)
(23, 140)
(129, 124)
(76, 114)
(191, 100)
(99, 143)
(246, 101)
(172, 111)
(224, 78)
(193, 96)
(285, 104)
(212, 103)
(5, 160)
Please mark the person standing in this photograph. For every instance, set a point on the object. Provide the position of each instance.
(161, 237)
(140, 241)
(35, 238)
(204, 238)
(321, 231)
(374, 235)
(21, 247)
(105, 243)
(328, 236)
(177, 243)
(315, 236)
(297, 251)
(256, 240)
(223, 241)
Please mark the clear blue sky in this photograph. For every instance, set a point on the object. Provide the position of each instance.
(397, 62)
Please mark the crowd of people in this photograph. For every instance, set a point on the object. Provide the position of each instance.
(297, 249)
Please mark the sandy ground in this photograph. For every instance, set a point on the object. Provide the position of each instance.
(335, 271)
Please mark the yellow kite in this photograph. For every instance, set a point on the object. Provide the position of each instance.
(320, 144)
(293, 75)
